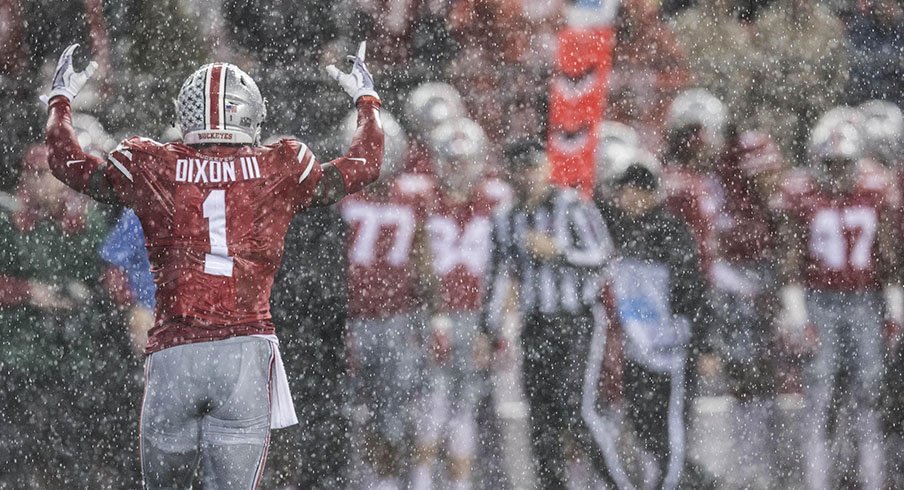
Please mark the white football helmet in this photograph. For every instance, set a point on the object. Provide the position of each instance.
(220, 103)
(698, 107)
(837, 136)
(883, 129)
(617, 145)
(395, 142)
(459, 153)
(431, 104)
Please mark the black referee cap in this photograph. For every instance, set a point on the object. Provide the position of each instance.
(639, 176)
(524, 153)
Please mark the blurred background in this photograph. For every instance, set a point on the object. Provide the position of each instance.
(75, 300)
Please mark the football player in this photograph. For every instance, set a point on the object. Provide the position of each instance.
(838, 242)
(215, 208)
(696, 123)
(458, 227)
(883, 131)
(388, 265)
(743, 276)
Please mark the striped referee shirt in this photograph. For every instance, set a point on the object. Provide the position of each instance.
(566, 284)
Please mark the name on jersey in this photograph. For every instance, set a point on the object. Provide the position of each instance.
(198, 171)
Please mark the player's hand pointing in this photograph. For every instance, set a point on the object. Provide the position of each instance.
(358, 82)
(66, 81)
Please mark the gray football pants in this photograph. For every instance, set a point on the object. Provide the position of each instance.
(850, 343)
(207, 403)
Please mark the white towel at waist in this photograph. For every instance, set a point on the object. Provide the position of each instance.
(282, 409)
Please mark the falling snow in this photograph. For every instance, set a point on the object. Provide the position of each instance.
(610, 244)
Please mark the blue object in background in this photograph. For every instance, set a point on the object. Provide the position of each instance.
(124, 248)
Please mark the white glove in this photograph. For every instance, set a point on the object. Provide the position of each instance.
(67, 82)
(358, 82)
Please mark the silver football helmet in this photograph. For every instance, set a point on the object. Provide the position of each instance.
(698, 107)
(459, 153)
(395, 142)
(432, 103)
(837, 136)
(220, 103)
(883, 129)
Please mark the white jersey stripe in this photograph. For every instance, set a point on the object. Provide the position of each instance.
(207, 122)
(301, 152)
(221, 99)
(307, 170)
(119, 166)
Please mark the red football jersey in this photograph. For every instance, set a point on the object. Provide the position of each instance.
(215, 219)
(696, 199)
(840, 231)
(460, 239)
(744, 226)
(382, 227)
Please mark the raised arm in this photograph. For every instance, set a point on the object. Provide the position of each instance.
(360, 166)
(68, 162)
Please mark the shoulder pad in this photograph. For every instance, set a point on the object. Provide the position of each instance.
(298, 151)
(139, 144)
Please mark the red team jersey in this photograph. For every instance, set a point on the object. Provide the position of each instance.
(460, 244)
(214, 217)
(840, 231)
(215, 220)
(382, 229)
(695, 199)
(745, 226)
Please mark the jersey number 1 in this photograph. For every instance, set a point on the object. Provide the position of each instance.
(217, 262)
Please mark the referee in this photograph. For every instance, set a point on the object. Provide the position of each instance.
(552, 246)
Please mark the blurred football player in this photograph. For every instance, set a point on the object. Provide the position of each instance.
(838, 243)
(883, 131)
(388, 279)
(215, 208)
(458, 227)
(695, 123)
(743, 277)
